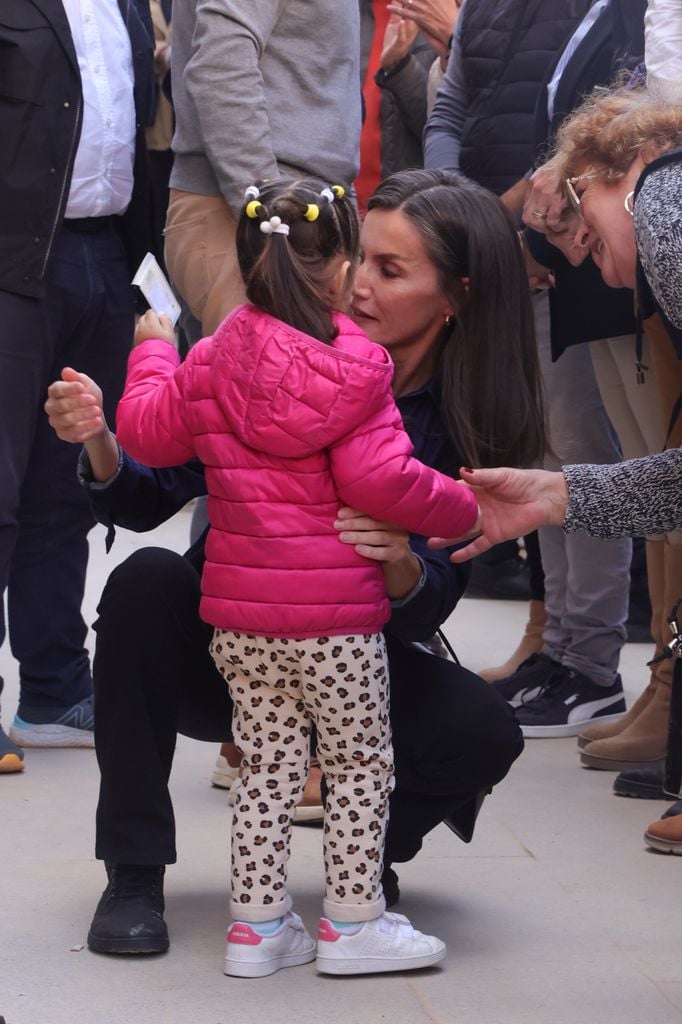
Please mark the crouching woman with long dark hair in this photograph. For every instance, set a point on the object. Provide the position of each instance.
(442, 286)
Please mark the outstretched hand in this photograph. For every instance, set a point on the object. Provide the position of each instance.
(513, 502)
(74, 407)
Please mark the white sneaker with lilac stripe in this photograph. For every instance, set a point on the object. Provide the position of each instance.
(250, 955)
(388, 943)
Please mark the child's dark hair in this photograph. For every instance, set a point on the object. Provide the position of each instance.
(288, 274)
(492, 396)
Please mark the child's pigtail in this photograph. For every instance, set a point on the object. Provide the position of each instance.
(290, 277)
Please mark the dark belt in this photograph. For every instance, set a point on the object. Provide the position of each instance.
(88, 225)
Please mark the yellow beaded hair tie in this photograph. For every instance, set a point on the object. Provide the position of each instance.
(332, 192)
(252, 208)
(312, 212)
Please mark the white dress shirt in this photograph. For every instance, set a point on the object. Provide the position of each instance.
(570, 48)
(102, 181)
(663, 49)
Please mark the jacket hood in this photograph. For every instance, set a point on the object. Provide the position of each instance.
(287, 394)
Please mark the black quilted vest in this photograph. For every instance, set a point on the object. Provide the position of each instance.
(508, 47)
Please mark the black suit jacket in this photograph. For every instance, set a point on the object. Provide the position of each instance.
(40, 124)
(582, 307)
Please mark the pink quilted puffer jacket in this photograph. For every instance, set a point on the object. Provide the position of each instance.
(289, 429)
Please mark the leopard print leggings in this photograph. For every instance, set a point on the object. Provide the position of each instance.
(279, 687)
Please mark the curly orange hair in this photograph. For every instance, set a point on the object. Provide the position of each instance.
(612, 128)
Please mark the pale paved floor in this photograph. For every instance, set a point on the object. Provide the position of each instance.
(555, 914)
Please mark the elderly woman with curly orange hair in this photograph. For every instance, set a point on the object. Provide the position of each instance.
(618, 173)
(613, 190)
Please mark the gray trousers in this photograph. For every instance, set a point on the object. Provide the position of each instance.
(586, 579)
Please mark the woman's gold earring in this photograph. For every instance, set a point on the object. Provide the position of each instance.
(448, 319)
(629, 203)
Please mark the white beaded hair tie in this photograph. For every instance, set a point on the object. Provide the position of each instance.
(274, 226)
(327, 194)
(252, 192)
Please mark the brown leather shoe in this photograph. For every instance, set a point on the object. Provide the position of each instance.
(644, 740)
(665, 835)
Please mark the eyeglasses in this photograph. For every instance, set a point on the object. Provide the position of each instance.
(573, 197)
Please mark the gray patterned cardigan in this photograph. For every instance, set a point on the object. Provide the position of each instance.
(636, 497)
(641, 496)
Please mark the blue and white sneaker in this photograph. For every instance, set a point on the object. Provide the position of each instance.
(568, 702)
(73, 728)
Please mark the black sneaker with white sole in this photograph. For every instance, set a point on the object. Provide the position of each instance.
(568, 703)
(529, 678)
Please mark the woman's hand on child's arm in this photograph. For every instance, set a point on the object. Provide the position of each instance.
(153, 325)
(382, 542)
(74, 410)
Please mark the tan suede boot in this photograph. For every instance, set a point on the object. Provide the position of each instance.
(642, 742)
(665, 835)
(530, 643)
(609, 729)
(644, 739)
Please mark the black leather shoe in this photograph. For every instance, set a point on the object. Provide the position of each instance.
(129, 916)
(645, 782)
(462, 820)
(389, 883)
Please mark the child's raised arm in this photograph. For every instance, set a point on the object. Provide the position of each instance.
(151, 416)
(374, 469)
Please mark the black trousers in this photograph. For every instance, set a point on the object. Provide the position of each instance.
(85, 321)
(453, 735)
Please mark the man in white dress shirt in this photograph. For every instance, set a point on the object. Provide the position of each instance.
(79, 74)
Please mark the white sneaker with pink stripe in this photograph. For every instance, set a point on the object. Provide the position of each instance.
(388, 943)
(250, 955)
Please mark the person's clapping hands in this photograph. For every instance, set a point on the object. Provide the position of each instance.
(513, 502)
(435, 19)
(398, 39)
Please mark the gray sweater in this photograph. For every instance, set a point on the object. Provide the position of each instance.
(640, 496)
(263, 88)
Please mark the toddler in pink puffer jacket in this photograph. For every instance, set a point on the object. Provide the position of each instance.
(289, 407)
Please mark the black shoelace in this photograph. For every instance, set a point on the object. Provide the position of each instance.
(131, 883)
(549, 688)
